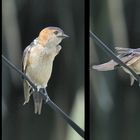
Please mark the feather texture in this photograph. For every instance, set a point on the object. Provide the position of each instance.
(131, 57)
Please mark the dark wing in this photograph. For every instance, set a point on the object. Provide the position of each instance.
(25, 62)
(25, 57)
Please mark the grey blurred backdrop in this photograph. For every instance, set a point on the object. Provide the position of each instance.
(21, 23)
(114, 104)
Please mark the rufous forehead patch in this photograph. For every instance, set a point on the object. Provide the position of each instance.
(44, 35)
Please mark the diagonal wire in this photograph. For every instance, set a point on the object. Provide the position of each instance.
(112, 55)
(47, 99)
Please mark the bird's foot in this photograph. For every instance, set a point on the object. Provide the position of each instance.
(44, 92)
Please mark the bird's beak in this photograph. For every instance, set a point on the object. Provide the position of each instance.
(63, 36)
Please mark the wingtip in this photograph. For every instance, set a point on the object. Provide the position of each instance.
(103, 67)
(131, 80)
(94, 67)
(97, 67)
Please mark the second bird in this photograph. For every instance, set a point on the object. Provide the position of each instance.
(131, 57)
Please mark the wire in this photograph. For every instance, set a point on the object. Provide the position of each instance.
(47, 99)
(112, 55)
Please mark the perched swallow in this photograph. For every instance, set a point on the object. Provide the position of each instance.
(131, 57)
(38, 60)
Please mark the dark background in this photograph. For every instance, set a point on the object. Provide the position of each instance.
(21, 23)
(114, 104)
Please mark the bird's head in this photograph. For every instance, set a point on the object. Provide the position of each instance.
(51, 36)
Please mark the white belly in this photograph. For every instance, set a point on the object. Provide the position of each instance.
(40, 70)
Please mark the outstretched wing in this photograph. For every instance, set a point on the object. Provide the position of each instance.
(120, 50)
(127, 56)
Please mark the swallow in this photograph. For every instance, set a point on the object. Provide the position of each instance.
(38, 60)
(131, 57)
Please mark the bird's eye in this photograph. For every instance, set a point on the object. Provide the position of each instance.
(56, 32)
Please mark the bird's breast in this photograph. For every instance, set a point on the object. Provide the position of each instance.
(40, 69)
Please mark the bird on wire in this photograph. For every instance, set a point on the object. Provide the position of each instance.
(131, 57)
(38, 60)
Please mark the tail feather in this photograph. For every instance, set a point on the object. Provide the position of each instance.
(37, 103)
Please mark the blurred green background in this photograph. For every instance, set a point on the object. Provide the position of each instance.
(114, 104)
(21, 23)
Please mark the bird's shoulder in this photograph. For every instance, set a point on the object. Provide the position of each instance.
(26, 54)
